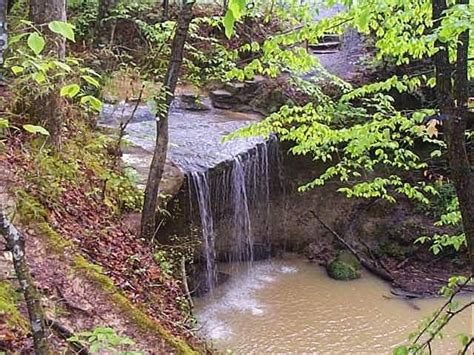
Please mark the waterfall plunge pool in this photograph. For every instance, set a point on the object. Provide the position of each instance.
(291, 306)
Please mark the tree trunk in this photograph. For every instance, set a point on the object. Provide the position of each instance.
(103, 28)
(164, 100)
(41, 13)
(166, 10)
(16, 244)
(453, 102)
(3, 29)
(49, 105)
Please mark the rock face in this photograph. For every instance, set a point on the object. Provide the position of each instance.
(258, 95)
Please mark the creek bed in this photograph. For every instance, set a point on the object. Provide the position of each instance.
(291, 306)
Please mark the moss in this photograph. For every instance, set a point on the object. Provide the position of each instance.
(28, 207)
(349, 258)
(340, 270)
(94, 273)
(8, 306)
(55, 242)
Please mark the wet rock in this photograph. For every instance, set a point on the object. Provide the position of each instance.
(224, 99)
(235, 88)
(192, 102)
(342, 271)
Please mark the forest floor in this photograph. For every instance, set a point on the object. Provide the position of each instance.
(90, 269)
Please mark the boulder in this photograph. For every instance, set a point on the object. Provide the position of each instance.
(344, 267)
(224, 99)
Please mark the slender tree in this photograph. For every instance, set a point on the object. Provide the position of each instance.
(164, 100)
(166, 10)
(49, 105)
(103, 28)
(16, 244)
(452, 97)
(3, 28)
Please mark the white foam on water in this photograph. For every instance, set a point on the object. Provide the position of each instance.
(238, 295)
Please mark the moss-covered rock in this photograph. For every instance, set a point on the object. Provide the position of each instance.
(344, 267)
(349, 258)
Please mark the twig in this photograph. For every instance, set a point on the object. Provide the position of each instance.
(435, 317)
(123, 125)
(185, 282)
(466, 347)
(451, 315)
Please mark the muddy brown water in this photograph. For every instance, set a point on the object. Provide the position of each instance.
(291, 306)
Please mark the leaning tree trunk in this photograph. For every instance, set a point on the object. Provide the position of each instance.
(163, 103)
(16, 244)
(48, 107)
(453, 103)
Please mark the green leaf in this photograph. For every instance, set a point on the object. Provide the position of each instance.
(237, 7)
(62, 28)
(70, 90)
(228, 22)
(36, 43)
(17, 69)
(39, 77)
(362, 20)
(92, 101)
(91, 80)
(62, 65)
(35, 129)
(400, 350)
(12, 40)
(4, 123)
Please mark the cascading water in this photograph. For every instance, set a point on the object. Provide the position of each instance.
(200, 182)
(241, 235)
(240, 194)
(229, 182)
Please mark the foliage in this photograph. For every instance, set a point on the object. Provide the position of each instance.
(103, 339)
(432, 327)
(162, 261)
(37, 75)
(83, 15)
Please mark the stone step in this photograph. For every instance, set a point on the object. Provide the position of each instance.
(328, 51)
(331, 37)
(324, 45)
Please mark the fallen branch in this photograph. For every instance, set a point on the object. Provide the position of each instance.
(365, 263)
(66, 334)
(16, 244)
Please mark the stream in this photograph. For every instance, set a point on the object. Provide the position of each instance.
(291, 306)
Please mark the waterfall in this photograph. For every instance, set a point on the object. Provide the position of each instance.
(237, 196)
(200, 181)
(241, 235)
